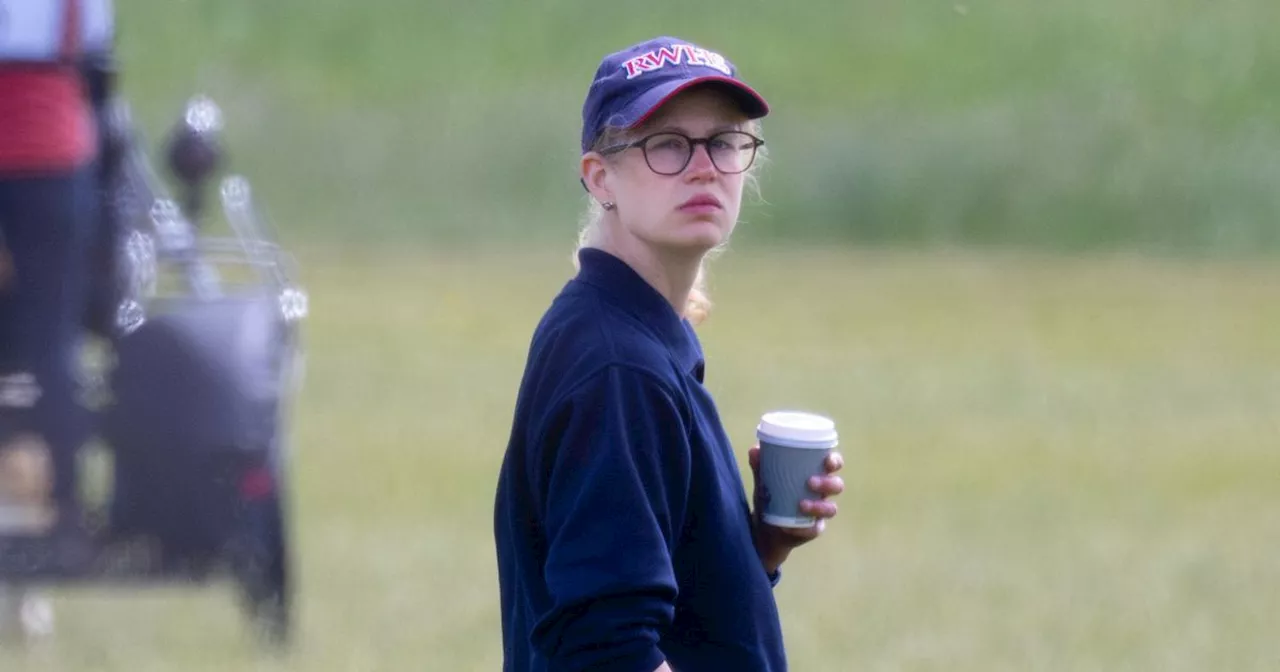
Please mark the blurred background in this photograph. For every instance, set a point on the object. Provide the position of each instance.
(1023, 253)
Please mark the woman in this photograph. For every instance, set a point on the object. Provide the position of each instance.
(624, 537)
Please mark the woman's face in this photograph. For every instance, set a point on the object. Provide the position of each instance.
(694, 209)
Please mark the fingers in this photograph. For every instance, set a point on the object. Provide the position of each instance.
(819, 508)
(826, 486)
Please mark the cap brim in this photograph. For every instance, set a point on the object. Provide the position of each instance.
(751, 102)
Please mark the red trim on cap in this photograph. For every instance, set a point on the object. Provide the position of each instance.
(702, 80)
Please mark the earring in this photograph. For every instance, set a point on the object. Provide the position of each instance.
(608, 205)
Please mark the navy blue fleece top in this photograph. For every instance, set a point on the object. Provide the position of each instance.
(622, 525)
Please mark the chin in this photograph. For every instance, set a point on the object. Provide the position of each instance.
(694, 244)
(697, 236)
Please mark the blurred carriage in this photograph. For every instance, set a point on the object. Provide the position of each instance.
(191, 399)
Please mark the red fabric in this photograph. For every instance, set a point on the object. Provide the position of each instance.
(46, 123)
(45, 120)
(71, 29)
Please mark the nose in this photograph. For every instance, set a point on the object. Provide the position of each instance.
(700, 165)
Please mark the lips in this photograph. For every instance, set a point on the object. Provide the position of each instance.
(701, 203)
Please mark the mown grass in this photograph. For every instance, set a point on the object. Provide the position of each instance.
(1053, 464)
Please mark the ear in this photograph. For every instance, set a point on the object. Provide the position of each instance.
(595, 173)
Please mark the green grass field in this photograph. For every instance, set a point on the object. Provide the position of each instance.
(1052, 464)
(1147, 124)
(1055, 462)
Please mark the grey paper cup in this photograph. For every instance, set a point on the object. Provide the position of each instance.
(793, 447)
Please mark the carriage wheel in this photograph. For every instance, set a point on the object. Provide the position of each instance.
(264, 570)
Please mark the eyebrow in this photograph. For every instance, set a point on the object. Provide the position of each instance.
(667, 128)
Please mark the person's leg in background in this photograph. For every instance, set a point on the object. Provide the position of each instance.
(46, 222)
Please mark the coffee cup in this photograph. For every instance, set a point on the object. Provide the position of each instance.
(794, 446)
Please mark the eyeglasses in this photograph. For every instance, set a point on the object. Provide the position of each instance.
(669, 153)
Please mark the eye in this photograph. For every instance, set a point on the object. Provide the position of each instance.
(722, 144)
(668, 143)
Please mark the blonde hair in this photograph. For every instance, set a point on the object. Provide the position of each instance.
(698, 307)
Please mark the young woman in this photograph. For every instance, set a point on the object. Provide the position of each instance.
(624, 536)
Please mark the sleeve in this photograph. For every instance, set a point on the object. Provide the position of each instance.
(615, 468)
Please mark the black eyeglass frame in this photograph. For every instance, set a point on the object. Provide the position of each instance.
(756, 144)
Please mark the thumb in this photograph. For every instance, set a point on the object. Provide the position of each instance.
(753, 458)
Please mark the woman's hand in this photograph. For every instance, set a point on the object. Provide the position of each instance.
(774, 543)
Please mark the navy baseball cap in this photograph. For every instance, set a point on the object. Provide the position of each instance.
(633, 83)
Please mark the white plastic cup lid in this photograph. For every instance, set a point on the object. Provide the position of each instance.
(798, 429)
